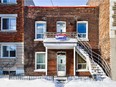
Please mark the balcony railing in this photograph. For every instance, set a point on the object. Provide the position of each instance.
(54, 34)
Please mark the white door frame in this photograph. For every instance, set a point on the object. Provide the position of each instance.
(61, 73)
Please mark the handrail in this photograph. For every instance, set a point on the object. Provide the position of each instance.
(95, 57)
(53, 34)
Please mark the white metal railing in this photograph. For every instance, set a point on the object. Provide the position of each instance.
(95, 57)
(54, 34)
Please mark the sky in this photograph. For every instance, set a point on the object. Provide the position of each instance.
(60, 2)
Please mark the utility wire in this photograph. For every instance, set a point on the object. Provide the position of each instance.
(52, 2)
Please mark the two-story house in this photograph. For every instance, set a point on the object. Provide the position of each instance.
(57, 40)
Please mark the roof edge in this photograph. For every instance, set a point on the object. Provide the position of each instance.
(62, 6)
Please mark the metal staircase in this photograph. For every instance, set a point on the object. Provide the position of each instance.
(97, 65)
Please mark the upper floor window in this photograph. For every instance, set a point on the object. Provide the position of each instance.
(40, 29)
(8, 51)
(61, 26)
(8, 1)
(82, 29)
(8, 23)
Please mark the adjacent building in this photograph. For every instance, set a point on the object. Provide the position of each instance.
(107, 33)
(12, 36)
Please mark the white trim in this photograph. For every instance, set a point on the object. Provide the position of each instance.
(46, 60)
(8, 45)
(83, 39)
(38, 39)
(36, 22)
(39, 70)
(60, 22)
(74, 61)
(82, 70)
(8, 15)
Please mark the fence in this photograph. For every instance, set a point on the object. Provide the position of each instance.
(22, 77)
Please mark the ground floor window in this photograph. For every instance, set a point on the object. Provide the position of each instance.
(40, 61)
(81, 63)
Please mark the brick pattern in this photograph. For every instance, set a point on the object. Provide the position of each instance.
(53, 14)
(104, 40)
(18, 9)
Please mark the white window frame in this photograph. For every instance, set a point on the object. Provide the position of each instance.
(83, 39)
(8, 18)
(9, 2)
(39, 70)
(60, 22)
(43, 22)
(8, 53)
(82, 70)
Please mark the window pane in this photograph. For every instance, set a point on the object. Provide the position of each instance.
(40, 58)
(5, 23)
(13, 23)
(40, 31)
(39, 36)
(12, 1)
(40, 66)
(5, 1)
(12, 51)
(5, 51)
(81, 27)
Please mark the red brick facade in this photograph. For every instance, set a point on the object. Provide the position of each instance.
(18, 9)
(51, 15)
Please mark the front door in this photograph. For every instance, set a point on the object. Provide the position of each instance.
(61, 65)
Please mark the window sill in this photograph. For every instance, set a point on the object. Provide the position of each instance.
(82, 39)
(8, 3)
(40, 70)
(8, 31)
(38, 39)
(8, 57)
(82, 70)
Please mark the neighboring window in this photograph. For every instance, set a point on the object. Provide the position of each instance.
(61, 26)
(82, 29)
(81, 63)
(40, 61)
(9, 51)
(8, 1)
(8, 23)
(40, 29)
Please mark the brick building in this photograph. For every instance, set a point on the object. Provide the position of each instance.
(58, 41)
(12, 36)
(107, 33)
(51, 39)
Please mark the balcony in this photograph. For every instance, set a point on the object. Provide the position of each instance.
(60, 40)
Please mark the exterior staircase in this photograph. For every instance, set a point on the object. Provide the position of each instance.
(96, 65)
